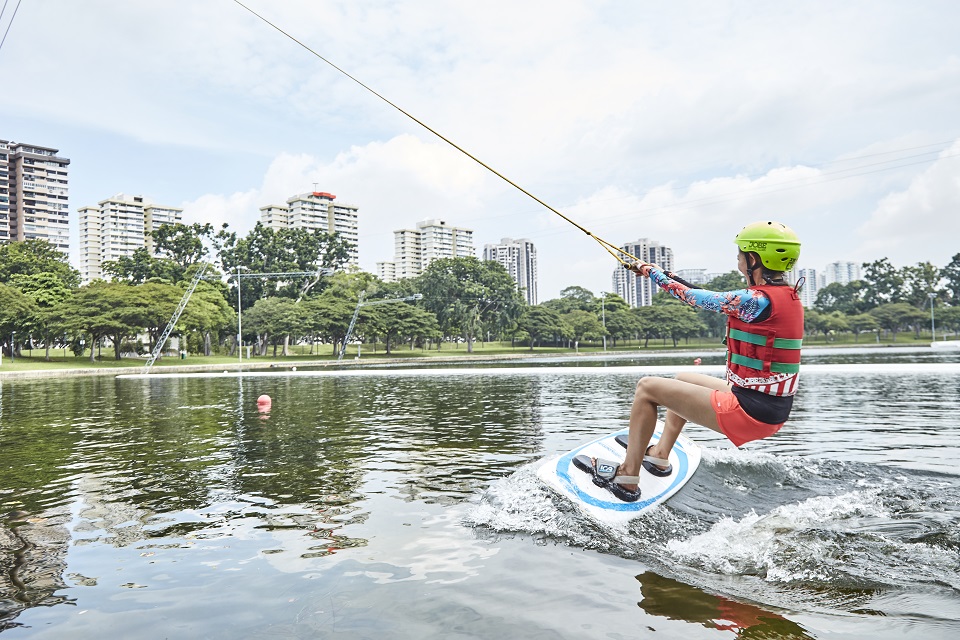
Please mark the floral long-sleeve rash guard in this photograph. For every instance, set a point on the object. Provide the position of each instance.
(745, 304)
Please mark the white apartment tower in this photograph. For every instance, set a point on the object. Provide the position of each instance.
(636, 290)
(812, 283)
(117, 227)
(275, 216)
(34, 198)
(316, 210)
(519, 258)
(841, 272)
(415, 249)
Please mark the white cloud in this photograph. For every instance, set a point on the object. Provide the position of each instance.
(922, 222)
(217, 209)
(664, 120)
(395, 184)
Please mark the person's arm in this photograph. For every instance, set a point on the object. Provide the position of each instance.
(745, 304)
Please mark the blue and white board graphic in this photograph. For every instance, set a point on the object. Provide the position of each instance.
(597, 502)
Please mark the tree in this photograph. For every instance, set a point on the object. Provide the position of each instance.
(32, 257)
(540, 322)
(464, 293)
(16, 314)
(183, 244)
(157, 302)
(622, 324)
(578, 298)
(609, 303)
(730, 281)
(862, 323)
(647, 323)
(607, 307)
(584, 325)
(573, 299)
(895, 316)
(948, 318)
(102, 309)
(46, 290)
(674, 321)
(267, 250)
(884, 283)
(140, 266)
(272, 319)
(846, 298)
(402, 321)
(951, 276)
(918, 281)
(328, 316)
(208, 313)
(814, 322)
(835, 322)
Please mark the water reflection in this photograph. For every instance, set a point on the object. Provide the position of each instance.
(363, 479)
(33, 553)
(168, 462)
(667, 598)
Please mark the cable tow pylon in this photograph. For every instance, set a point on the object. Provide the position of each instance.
(173, 319)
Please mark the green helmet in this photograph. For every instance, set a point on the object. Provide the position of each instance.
(776, 244)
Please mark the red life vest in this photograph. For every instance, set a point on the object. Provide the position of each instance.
(765, 356)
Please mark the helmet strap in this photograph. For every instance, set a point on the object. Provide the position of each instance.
(751, 268)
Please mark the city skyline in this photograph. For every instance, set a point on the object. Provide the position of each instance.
(121, 224)
(689, 121)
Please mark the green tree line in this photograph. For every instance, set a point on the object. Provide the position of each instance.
(462, 300)
(890, 300)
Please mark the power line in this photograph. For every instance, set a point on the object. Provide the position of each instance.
(614, 250)
(9, 24)
(797, 183)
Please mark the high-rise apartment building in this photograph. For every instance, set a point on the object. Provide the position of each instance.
(812, 283)
(519, 258)
(841, 272)
(638, 291)
(415, 249)
(693, 276)
(275, 216)
(117, 227)
(34, 197)
(316, 210)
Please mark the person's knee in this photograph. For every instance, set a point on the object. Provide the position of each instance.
(644, 386)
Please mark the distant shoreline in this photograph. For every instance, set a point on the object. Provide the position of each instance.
(69, 372)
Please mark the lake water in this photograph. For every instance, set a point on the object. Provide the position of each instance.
(403, 503)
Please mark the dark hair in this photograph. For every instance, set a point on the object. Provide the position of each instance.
(769, 276)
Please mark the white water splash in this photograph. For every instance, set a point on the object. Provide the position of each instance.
(520, 503)
(793, 542)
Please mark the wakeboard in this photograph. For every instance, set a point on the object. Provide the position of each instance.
(560, 474)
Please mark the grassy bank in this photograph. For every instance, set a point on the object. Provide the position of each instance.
(303, 354)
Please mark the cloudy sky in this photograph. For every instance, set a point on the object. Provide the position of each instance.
(675, 121)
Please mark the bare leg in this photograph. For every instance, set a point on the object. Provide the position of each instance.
(686, 398)
(673, 422)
